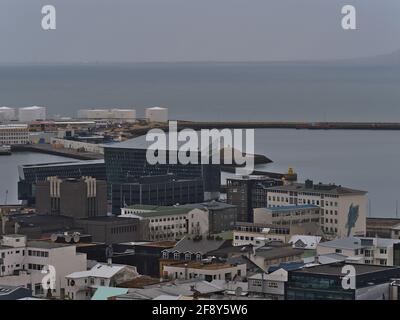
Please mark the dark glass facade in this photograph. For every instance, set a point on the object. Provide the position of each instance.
(29, 175)
(132, 180)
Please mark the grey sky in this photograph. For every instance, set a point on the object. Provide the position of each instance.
(195, 30)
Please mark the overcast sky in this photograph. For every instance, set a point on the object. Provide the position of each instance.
(195, 30)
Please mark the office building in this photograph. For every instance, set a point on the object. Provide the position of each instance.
(378, 251)
(256, 234)
(247, 193)
(31, 174)
(343, 210)
(324, 282)
(22, 263)
(169, 222)
(76, 198)
(221, 216)
(14, 134)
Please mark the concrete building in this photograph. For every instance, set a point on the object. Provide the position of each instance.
(289, 215)
(111, 229)
(76, 198)
(14, 134)
(273, 253)
(83, 284)
(29, 114)
(221, 216)
(22, 263)
(205, 271)
(7, 114)
(246, 233)
(31, 174)
(270, 285)
(157, 114)
(247, 193)
(343, 210)
(375, 251)
(383, 228)
(324, 282)
(169, 222)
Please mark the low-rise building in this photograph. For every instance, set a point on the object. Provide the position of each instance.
(364, 250)
(273, 253)
(23, 263)
(169, 222)
(257, 234)
(82, 285)
(206, 271)
(14, 134)
(221, 216)
(270, 285)
(383, 228)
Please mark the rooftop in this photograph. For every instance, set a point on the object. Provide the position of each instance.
(335, 269)
(199, 265)
(147, 211)
(202, 246)
(353, 243)
(211, 205)
(46, 245)
(100, 270)
(320, 188)
(65, 163)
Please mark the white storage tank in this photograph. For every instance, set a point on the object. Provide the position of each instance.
(7, 114)
(31, 114)
(123, 114)
(157, 114)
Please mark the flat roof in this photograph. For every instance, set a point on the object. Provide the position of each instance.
(319, 188)
(154, 211)
(335, 268)
(199, 265)
(46, 245)
(65, 163)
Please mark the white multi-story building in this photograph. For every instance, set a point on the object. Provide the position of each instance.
(376, 251)
(206, 271)
(22, 263)
(7, 114)
(343, 210)
(169, 222)
(82, 285)
(12, 134)
(157, 114)
(29, 114)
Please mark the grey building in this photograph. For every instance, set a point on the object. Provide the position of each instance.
(31, 174)
(76, 198)
(221, 216)
(111, 229)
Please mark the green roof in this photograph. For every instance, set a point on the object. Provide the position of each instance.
(103, 293)
(155, 211)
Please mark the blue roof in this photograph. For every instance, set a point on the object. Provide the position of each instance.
(290, 208)
(103, 293)
(288, 266)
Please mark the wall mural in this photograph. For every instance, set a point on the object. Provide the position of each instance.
(352, 217)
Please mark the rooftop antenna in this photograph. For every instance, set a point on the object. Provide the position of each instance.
(5, 200)
(397, 208)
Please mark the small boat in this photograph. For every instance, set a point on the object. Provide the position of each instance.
(5, 150)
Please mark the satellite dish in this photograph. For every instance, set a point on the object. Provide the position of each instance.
(54, 237)
(68, 238)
